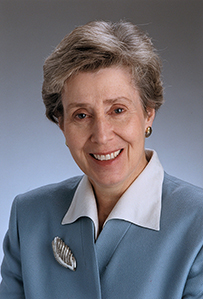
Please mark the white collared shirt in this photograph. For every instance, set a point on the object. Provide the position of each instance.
(140, 204)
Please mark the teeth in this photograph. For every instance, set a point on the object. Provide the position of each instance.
(108, 156)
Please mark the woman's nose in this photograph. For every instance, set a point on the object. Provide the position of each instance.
(102, 131)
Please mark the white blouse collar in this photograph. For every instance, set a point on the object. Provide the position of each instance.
(140, 204)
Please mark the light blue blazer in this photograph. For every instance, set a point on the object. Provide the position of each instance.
(126, 262)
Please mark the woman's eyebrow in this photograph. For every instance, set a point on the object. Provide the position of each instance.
(112, 101)
(78, 105)
(107, 101)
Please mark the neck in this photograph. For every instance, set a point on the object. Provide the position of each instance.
(106, 200)
(108, 196)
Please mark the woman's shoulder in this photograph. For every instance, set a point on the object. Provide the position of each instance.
(48, 196)
(180, 190)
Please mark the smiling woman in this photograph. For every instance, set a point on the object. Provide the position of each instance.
(125, 229)
(103, 109)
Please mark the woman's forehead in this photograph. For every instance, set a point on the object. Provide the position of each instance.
(110, 82)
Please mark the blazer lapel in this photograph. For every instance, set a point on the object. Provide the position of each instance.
(108, 241)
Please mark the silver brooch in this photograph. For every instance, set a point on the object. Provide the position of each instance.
(63, 254)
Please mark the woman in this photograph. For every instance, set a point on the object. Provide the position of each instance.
(125, 229)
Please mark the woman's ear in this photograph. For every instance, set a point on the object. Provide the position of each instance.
(150, 115)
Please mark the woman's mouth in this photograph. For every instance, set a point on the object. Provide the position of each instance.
(107, 157)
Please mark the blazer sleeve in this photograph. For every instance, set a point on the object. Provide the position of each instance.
(11, 286)
(194, 285)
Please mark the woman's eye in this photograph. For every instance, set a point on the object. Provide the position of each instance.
(118, 110)
(81, 115)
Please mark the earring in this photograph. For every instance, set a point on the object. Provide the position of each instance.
(148, 132)
(66, 144)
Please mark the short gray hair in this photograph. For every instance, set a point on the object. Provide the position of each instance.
(97, 45)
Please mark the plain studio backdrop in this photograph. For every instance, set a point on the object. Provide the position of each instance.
(32, 149)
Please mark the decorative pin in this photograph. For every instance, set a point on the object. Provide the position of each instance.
(63, 254)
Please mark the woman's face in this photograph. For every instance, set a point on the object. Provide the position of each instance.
(104, 126)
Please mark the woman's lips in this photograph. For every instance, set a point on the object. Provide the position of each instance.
(107, 157)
